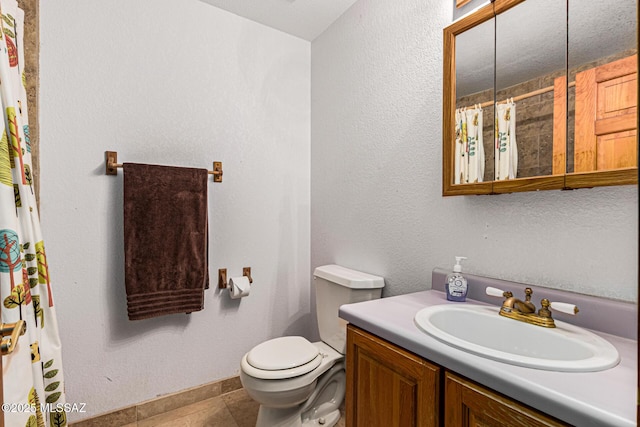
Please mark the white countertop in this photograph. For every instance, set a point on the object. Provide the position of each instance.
(605, 398)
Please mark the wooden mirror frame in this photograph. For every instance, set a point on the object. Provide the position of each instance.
(482, 15)
(628, 176)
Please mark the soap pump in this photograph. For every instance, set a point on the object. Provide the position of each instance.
(456, 285)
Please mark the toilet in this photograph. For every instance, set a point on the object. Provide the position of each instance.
(300, 383)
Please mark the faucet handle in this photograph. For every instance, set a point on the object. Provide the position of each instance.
(565, 307)
(495, 292)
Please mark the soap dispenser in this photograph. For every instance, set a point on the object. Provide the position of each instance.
(456, 285)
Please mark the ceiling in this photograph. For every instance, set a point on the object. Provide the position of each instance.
(306, 19)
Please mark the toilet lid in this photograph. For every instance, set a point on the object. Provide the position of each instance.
(282, 353)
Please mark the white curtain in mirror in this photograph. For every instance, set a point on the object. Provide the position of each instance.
(506, 149)
(469, 156)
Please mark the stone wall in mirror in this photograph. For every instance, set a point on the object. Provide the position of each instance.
(539, 95)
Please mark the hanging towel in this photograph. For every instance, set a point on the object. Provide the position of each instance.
(506, 149)
(461, 144)
(165, 239)
(513, 159)
(475, 145)
(469, 148)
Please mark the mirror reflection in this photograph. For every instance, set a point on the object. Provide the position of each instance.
(474, 137)
(545, 92)
(530, 62)
(602, 62)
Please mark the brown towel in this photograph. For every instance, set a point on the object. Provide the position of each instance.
(165, 239)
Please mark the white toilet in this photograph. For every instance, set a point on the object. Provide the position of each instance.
(299, 383)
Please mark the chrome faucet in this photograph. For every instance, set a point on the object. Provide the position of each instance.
(525, 311)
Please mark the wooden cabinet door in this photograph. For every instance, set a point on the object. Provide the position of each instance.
(606, 116)
(468, 404)
(388, 386)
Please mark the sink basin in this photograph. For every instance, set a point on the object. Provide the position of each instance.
(480, 330)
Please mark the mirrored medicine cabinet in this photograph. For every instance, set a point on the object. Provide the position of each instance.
(540, 95)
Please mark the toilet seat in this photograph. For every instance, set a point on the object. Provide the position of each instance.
(280, 358)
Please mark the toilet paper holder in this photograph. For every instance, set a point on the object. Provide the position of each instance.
(222, 276)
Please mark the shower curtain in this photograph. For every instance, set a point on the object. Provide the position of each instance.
(32, 374)
(506, 149)
(469, 153)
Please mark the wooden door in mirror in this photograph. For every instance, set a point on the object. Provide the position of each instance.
(602, 139)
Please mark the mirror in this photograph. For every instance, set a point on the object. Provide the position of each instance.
(531, 47)
(475, 71)
(531, 57)
(476, 80)
(602, 93)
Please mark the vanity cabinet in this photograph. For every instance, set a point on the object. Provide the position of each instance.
(389, 386)
(469, 404)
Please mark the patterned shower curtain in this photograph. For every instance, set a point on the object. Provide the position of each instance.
(469, 154)
(32, 374)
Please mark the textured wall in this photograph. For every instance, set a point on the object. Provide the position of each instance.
(376, 172)
(181, 83)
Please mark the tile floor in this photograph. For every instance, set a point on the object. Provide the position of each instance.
(232, 409)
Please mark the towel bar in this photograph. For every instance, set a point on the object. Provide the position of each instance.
(113, 165)
(524, 96)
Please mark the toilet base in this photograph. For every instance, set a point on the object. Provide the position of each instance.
(321, 409)
(277, 417)
(328, 420)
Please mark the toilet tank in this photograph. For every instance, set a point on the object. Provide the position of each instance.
(336, 285)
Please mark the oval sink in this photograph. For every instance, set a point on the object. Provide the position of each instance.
(480, 330)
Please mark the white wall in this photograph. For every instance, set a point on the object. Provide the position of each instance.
(182, 83)
(376, 173)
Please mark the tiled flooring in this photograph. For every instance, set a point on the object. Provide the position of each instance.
(232, 409)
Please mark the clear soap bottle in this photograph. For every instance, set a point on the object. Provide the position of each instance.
(456, 285)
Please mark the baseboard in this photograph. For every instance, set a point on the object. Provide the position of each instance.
(133, 414)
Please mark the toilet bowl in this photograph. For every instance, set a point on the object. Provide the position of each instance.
(312, 397)
(299, 383)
